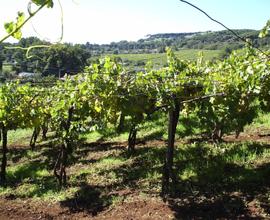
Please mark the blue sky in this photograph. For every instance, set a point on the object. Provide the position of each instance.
(104, 21)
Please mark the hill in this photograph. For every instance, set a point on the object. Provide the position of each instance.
(156, 43)
(69, 58)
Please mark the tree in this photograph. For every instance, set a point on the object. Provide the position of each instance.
(64, 58)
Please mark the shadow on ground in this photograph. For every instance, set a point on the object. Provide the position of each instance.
(89, 199)
(228, 181)
(228, 184)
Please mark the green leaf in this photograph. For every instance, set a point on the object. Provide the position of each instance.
(14, 27)
(42, 2)
(9, 27)
(264, 31)
(97, 106)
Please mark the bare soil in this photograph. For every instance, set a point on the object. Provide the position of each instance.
(134, 208)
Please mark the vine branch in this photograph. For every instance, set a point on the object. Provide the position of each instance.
(23, 23)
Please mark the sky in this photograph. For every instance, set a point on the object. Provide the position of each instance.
(105, 21)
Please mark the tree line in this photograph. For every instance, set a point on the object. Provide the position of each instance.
(68, 58)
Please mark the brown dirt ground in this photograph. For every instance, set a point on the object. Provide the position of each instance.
(136, 208)
(132, 209)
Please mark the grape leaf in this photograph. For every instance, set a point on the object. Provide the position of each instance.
(42, 2)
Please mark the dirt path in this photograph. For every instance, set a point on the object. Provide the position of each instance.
(133, 209)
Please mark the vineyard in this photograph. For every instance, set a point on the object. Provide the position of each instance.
(211, 101)
(175, 138)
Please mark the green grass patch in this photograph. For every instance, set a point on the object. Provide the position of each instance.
(160, 59)
(27, 171)
(20, 136)
(203, 165)
(262, 121)
(7, 68)
(99, 168)
(33, 180)
(234, 163)
(155, 128)
(147, 130)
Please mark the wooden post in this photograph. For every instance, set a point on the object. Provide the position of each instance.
(4, 157)
(132, 139)
(168, 173)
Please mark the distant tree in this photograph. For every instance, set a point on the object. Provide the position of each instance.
(162, 49)
(225, 52)
(116, 51)
(64, 58)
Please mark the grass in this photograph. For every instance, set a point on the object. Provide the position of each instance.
(160, 59)
(200, 168)
(188, 54)
(153, 129)
(229, 163)
(101, 170)
(149, 129)
(7, 68)
(20, 136)
(193, 54)
(261, 122)
(32, 180)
